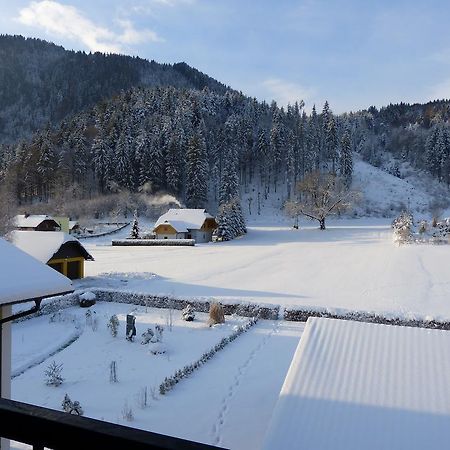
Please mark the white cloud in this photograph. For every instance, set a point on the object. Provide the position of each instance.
(67, 21)
(284, 92)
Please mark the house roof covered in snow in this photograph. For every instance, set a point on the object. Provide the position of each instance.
(42, 245)
(184, 219)
(354, 385)
(30, 221)
(23, 278)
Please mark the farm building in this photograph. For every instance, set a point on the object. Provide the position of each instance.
(41, 222)
(67, 226)
(58, 250)
(185, 224)
(39, 282)
(354, 385)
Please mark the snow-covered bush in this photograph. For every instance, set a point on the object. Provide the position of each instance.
(147, 336)
(87, 299)
(127, 412)
(142, 397)
(188, 313)
(113, 372)
(402, 227)
(170, 382)
(216, 314)
(72, 407)
(157, 348)
(53, 375)
(159, 329)
(113, 325)
(94, 322)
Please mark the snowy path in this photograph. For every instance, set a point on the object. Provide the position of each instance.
(230, 400)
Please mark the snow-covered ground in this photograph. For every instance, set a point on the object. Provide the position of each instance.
(240, 384)
(353, 265)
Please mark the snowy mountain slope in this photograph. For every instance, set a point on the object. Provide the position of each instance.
(383, 195)
(386, 195)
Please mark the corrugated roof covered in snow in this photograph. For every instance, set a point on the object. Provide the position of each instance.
(354, 385)
(184, 219)
(31, 221)
(42, 245)
(23, 278)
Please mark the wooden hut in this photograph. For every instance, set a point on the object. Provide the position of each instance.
(58, 250)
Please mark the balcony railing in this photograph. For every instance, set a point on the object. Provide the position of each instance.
(46, 428)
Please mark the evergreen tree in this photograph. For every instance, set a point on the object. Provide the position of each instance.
(346, 160)
(134, 232)
(197, 172)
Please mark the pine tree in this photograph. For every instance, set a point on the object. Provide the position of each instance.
(134, 232)
(346, 160)
(197, 172)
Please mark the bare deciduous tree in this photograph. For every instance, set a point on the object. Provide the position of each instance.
(321, 195)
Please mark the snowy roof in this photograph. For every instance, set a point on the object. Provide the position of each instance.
(42, 245)
(23, 278)
(72, 223)
(184, 219)
(354, 385)
(31, 221)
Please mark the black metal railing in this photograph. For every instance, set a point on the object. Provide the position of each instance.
(42, 427)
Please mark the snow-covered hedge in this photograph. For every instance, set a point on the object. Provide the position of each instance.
(301, 315)
(169, 382)
(154, 242)
(201, 305)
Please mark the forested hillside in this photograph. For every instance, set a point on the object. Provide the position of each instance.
(186, 135)
(42, 83)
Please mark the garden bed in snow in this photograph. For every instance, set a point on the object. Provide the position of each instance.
(87, 361)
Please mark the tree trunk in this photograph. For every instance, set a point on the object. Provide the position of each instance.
(322, 223)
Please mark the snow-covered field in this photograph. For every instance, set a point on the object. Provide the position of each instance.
(240, 384)
(353, 265)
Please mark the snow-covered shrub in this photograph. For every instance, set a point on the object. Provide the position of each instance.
(402, 227)
(77, 409)
(188, 313)
(127, 413)
(67, 404)
(94, 322)
(216, 314)
(157, 348)
(113, 325)
(170, 382)
(87, 299)
(113, 372)
(147, 336)
(72, 407)
(423, 227)
(142, 397)
(53, 375)
(154, 242)
(159, 329)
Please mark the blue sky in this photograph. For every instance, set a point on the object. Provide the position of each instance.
(355, 53)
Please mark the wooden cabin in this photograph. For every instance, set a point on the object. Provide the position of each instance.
(36, 222)
(58, 250)
(185, 224)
